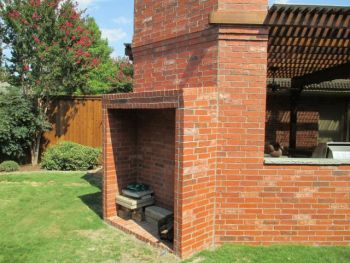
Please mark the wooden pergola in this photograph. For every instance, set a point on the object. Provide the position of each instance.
(308, 44)
(305, 40)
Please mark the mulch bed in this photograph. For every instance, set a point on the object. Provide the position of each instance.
(30, 168)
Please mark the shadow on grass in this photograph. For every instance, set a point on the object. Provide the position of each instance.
(94, 201)
(95, 179)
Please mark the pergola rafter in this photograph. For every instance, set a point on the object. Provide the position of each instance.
(305, 39)
(309, 45)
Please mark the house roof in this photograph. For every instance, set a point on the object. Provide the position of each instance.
(304, 39)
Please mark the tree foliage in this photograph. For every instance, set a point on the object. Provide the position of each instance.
(19, 122)
(111, 75)
(58, 51)
(50, 46)
(55, 50)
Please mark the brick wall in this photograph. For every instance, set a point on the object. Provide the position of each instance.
(257, 203)
(141, 149)
(119, 155)
(188, 180)
(242, 88)
(292, 204)
(214, 78)
(278, 123)
(196, 155)
(184, 62)
(174, 47)
(278, 117)
(156, 153)
(156, 20)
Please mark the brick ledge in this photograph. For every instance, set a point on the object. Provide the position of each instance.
(143, 100)
(132, 228)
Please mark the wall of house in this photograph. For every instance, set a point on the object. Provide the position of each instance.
(309, 119)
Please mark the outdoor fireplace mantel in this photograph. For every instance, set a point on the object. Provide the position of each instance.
(143, 100)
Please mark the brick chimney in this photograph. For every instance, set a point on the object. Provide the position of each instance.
(207, 59)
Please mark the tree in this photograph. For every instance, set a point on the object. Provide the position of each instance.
(51, 55)
(19, 122)
(2, 70)
(121, 80)
(111, 75)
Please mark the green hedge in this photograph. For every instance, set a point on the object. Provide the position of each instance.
(9, 166)
(70, 156)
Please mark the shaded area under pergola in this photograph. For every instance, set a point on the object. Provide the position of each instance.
(310, 47)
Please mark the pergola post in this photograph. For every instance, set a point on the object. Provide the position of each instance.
(348, 122)
(295, 92)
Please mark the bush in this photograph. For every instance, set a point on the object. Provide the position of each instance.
(70, 156)
(9, 166)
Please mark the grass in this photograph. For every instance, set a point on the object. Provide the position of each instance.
(56, 217)
(274, 254)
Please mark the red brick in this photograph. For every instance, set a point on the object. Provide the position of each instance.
(202, 146)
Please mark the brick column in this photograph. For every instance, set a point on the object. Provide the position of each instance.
(242, 89)
(242, 74)
(109, 175)
(196, 159)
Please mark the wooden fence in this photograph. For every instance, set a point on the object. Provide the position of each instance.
(76, 119)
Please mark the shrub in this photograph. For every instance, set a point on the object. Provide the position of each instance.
(70, 156)
(9, 166)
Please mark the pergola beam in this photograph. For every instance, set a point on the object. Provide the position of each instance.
(337, 72)
(291, 17)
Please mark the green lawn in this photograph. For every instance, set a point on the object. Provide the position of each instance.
(55, 217)
(274, 254)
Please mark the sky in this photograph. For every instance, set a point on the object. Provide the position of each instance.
(115, 17)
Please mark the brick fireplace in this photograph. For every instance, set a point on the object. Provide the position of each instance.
(194, 129)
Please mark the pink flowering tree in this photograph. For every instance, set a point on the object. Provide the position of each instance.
(50, 52)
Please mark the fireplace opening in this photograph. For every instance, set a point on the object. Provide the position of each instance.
(143, 143)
